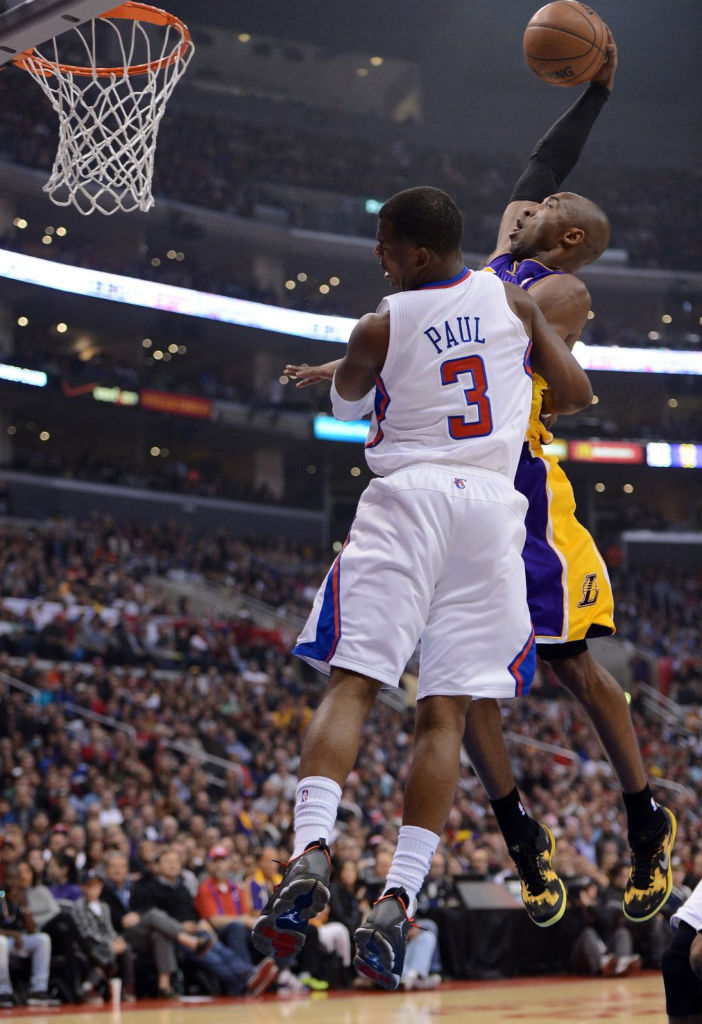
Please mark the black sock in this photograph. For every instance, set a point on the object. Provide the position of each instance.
(515, 824)
(642, 811)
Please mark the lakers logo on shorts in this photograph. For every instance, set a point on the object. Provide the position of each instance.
(590, 590)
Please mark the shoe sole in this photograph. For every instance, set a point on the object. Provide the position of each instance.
(300, 901)
(561, 912)
(669, 876)
(374, 958)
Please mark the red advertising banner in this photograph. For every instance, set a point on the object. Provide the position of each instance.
(176, 405)
(606, 451)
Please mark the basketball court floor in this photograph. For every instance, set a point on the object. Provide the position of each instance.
(526, 1000)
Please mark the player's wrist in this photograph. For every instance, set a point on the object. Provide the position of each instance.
(598, 91)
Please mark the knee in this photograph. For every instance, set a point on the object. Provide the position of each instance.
(440, 717)
(4, 947)
(580, 677)
(43, 942)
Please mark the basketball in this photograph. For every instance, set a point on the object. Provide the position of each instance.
(565, 43)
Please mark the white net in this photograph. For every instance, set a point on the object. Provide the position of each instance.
(109, 81)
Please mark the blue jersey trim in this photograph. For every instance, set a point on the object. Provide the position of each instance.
(382, 401)
(523, 667)
(328, 633)
(461, 276)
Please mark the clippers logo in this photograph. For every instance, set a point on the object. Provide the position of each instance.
(460, 483)
(304, 796)
(590, 590)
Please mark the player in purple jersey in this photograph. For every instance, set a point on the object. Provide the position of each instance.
(542, 243)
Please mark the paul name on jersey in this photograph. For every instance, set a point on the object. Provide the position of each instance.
(453, 337)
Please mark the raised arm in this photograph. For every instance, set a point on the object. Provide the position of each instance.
(556, 154)
(569, 386)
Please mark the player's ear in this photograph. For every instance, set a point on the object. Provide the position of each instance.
(422, 257)
(573, 237)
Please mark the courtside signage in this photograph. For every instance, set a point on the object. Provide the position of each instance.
(659, 454)
(605, 451)
(98, 284)
(22, 375)
(680, 456)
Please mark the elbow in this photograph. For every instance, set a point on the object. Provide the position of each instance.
(577, 396)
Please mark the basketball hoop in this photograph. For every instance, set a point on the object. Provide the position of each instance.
(109, 116)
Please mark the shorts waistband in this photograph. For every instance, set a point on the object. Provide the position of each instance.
(465, 472)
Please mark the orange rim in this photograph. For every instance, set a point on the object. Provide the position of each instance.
(129, 11)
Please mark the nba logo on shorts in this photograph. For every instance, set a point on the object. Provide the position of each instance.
(459, 482)
(304, 796)
(590, 590)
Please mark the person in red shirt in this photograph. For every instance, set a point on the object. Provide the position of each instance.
(222, 902)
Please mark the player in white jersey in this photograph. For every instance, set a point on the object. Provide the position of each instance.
(434, 552)
(682, 962)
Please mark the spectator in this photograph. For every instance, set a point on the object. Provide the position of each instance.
(9, 855)
(259, 886)
(438, 890)
(153, 933)
(221, 902)
(63, 878)
(166, 891)
(58, 924)
(347, 904)
(19, 936)
(110, 955)
(589, 922)
(374, 877)
(420, 957)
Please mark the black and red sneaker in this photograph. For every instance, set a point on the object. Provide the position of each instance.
(302, 893)
(381, 941)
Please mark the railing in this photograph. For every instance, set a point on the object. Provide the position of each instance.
(551, 748)
(129, 730)
(75, 709)
(663, 707)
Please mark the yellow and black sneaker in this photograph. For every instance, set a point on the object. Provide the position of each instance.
(543, 892)
(651, 877)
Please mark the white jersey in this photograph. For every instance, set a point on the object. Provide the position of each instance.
(691, 910)
(455, 387)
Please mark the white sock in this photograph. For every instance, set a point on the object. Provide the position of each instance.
(316, 802)
(415, 849)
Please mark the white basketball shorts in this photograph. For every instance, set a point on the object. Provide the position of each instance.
(434, 554)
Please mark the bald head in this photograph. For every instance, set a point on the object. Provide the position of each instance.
(582, 213)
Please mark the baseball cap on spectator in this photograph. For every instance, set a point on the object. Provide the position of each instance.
(60, 828)
(87, 876)
(217, 852)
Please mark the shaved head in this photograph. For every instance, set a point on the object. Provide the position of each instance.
(583, 213)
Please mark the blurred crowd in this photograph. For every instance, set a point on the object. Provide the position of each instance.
(148, 764)
(275, 165)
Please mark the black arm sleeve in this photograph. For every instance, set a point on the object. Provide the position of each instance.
(556, 154)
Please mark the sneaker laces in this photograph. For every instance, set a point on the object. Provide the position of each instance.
(526, 857)
(643, 856)
(394, 894)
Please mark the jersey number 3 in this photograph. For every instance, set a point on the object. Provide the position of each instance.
(476, 397)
